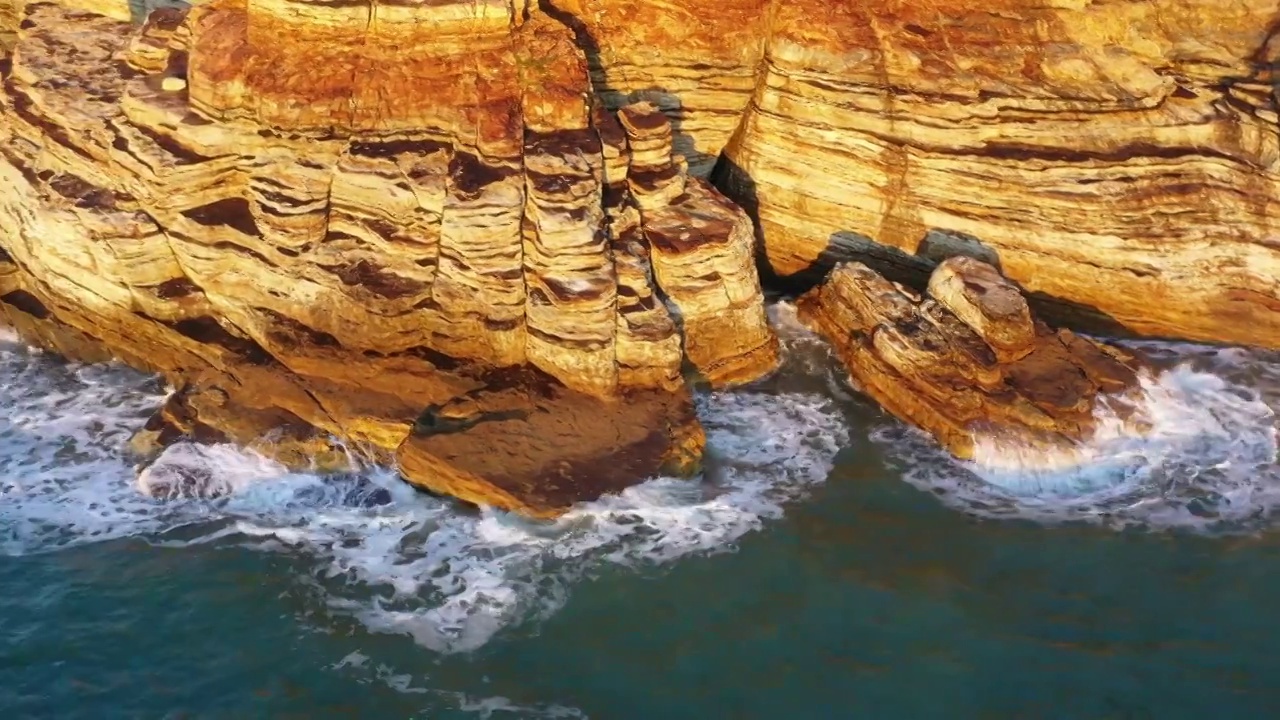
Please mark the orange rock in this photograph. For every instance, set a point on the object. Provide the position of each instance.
(961, 364)
(320, 226)
(698, 63)
(571, 445)
(350, 212)
(1119, 160)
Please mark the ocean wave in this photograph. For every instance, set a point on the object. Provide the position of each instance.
(1207, 463)
(452, 579)
(397, 560)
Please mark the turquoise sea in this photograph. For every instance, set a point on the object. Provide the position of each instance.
(832, 564)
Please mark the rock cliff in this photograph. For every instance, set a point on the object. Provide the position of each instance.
(1116, 159)
(968, 361)
(412, 230)
(478, 235)
(696, 61)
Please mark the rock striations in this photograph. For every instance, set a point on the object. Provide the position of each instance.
(968, 361)
(409, 229)
(696, 61)
(1120, 159)
(477, 235)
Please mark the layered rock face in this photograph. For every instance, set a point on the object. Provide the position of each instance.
(411, 229)
(474, 235)
(968, 360)
(696, 61)
(1118, 159)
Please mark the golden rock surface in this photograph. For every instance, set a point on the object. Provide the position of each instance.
(1120, 160)
(412, 230)
(968, 360)
(343, 217)
(695, 60)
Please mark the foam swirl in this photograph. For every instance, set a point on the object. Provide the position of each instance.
(395, 559)
(1208, 461)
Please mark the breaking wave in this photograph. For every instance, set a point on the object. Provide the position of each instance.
(1208, 462)
(395, 559)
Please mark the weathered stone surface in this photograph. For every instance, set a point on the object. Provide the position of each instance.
(464, 446)
(1119, 158)
(8, 24)
(959, 364)
(702, 256)
(984, 300)
(695, 61)
(335, 215)
(441, 220)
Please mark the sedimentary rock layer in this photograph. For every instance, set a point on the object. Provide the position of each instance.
(697, 62)
(1118, 158)
(702, 256)
(967, 360)
(412, 230)
(351, 218)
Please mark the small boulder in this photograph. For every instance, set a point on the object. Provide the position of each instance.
(968, 361)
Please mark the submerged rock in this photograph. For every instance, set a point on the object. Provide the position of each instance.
(421, 236)
(968, 361)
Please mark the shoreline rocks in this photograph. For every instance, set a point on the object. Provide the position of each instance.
(968, 361)
(438, 229)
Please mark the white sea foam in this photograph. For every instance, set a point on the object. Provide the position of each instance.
(62, 479)
(452, 580)
(401, 562)
(395, 559)
(501, 707)
(186, 471)
(483, 707)
(1208, 461)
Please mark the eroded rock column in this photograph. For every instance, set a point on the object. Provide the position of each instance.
(702, 256)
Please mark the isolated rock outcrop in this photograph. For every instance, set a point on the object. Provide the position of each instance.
(411, 230)
(1119, 159)
(968, 360)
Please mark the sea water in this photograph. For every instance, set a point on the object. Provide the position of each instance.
(831, 563)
